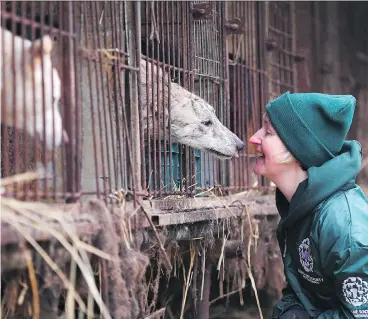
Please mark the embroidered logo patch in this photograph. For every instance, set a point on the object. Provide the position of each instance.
(305, 255)
(355, 291)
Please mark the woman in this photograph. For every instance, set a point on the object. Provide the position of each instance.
(323, 231)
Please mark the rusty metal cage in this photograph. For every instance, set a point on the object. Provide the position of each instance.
(104, 97)
(247, 82)
(209, 64)
(109, 70)
(32, 72)
(281, 47)
(90, 59)
(165, 43)
(187, 39)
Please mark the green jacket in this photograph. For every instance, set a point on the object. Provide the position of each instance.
(323, 237)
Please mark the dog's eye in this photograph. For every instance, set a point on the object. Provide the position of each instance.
(207, 123)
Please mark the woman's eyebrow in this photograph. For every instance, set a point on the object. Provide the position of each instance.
(266, 121)
(268, 125)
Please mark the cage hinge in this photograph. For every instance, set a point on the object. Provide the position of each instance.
(297, 56)
(301, 55)
(271, 44)
(234, 26)
(201, 11)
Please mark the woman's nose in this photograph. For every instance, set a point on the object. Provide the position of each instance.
(255, 140)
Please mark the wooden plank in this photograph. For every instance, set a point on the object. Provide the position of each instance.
(194, 216)
(162, 213)
(192, 210)
(185, 204)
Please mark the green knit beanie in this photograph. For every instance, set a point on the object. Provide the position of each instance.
(313, 126)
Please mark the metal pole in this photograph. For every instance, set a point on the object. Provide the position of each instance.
(134, 49)
(204, 304)
(69, 100)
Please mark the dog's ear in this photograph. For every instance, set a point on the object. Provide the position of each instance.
(42, 46)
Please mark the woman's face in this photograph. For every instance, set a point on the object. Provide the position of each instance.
(269, 146)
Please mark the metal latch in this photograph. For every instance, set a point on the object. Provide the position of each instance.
(234, 26)
(201, 11)
(298, 56)
(271, 45)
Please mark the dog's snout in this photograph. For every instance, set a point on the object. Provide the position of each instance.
(239, 145)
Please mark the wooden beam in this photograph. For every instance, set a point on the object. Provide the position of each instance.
(189, 217)
(184, 204)
(190, 212)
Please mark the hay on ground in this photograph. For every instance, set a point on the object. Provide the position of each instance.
(123, 273)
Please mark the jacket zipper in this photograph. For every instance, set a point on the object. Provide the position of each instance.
(285, 244)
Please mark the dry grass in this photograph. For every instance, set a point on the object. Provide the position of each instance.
(24, 216)
(122, 275)
(118, 248)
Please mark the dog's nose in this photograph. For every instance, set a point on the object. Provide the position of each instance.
(239, 145)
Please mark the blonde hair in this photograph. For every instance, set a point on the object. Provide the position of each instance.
(285, 156)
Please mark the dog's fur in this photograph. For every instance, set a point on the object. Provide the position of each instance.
(193, 121)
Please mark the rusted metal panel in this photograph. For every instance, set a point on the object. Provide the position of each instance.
(281, 47)
(305, 45)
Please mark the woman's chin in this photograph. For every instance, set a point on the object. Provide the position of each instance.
(259, 168)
